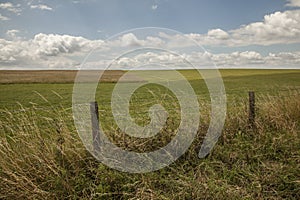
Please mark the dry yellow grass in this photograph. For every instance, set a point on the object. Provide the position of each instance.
(43, 158)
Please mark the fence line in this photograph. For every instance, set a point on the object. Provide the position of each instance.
(94, 111)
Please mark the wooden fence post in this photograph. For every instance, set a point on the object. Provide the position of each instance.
(95, 126)
(252, 109)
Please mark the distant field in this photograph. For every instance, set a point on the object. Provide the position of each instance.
(48, 89)
(50, 76)
(23, 86)
(68, 76)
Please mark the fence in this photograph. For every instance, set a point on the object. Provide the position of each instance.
(94, 110)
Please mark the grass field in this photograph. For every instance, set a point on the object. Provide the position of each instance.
(23, 86)
(43, 157)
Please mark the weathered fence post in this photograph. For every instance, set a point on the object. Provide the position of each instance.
(95, 126)
(252, 109)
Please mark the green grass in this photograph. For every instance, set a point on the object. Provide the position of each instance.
(43, 157)
(237, 83)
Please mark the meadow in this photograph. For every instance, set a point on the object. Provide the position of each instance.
(43, 157)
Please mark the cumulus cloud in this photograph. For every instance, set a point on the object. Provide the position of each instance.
(53, 44)
(279, 27)
(11, 7)
(283, 59)
(41, 7)
(3, 18)
(248, 59)
(45, 51)
(276, 28)
(150, 60)
(12, 34)
(238, 59)
(225, 60)
(218, 34)
(52, 50)
(293, 3)
(130, 39)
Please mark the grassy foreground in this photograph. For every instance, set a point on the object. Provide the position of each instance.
(42, 156)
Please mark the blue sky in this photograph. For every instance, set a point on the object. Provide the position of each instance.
(228, 29)
(87, 18)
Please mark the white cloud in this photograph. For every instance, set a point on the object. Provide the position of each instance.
(279, 27)
(251, 58)
(82, 1)
(45, 51)
(64, 52)
(218, 34)
(3, 18)
(177, 40)
(155, 41)
(130, 39)
(41, 7)
(154, 7)
(11, 7)
(206, 59)
(276, 28)
(293, 3)
(238, 59)
(283, 59)
(53, 45)
(12, 34)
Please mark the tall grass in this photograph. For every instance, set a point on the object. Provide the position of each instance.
(42, 157)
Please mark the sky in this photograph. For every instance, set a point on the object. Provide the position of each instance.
(56, 34)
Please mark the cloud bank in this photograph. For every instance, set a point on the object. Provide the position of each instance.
(66, 51)
(58, 52)
(276, 28)
(44, 51)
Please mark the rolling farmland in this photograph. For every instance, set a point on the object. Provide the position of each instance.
(43, 157)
